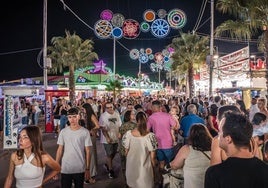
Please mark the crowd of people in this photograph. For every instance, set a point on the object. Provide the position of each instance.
(209, 142)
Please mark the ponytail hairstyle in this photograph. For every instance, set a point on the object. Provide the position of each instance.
(141, 119)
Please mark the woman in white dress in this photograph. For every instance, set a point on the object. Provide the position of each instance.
(140, 148)
(27, 164)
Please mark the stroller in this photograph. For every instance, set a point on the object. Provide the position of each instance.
(173, 179)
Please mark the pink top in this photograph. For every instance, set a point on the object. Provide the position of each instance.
(160, 123)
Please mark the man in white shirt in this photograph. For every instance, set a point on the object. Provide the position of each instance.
(110, 122)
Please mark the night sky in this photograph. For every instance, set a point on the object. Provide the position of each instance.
(22, 32)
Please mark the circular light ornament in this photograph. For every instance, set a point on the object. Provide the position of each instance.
(143, 58)
(134, 54)
(158, 57)
(131, 29)
(151, 56)
(148, 51)
(167, 66)
(165, 52)
(166, 59)
(118, 20)
(145, 27)
(153, 67)
(149, 15)
(162, 13)
(106, 15)
(176, 18)
(117, 32)
(103, 29)
(160, 28)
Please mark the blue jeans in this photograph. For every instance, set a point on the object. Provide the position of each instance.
(63, 121)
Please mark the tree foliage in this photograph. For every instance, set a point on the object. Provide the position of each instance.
(71, 52)
(190, 54)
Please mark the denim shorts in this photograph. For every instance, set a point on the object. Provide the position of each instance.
(164, 155)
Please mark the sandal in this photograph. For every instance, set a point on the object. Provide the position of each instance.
(90, 181)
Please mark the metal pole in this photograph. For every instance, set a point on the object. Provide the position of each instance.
(170, 79)
(159, 76)
(211, 47)
(114, 60)
(139, 76)
(45, 43)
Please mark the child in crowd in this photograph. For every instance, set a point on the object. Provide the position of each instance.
(174, 111)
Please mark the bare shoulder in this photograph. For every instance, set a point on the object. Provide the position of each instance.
(185, 150)
(14, 156)
(46, 157)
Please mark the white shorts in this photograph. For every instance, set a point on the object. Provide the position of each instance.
(56, 122)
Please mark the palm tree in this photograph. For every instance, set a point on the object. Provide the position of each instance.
(250, 18)
(71, 52)
(190, 53)
(115, 86)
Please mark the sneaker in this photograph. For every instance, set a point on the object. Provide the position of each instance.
(111, 174)
(106, 167)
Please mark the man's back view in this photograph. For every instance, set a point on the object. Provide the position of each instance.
(161, 124)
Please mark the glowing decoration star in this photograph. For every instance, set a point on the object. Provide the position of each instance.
(176, 18)
(103, 29)
(99, 67)
(106, 15)
(160, 28)
(131, 29)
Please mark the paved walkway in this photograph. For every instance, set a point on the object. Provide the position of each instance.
(50, 145)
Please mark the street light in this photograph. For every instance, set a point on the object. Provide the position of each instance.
(45, 43)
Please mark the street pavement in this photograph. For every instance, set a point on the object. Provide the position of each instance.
(50, 145)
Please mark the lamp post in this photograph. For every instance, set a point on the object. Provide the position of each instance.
(45, 43)
(211, 63)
